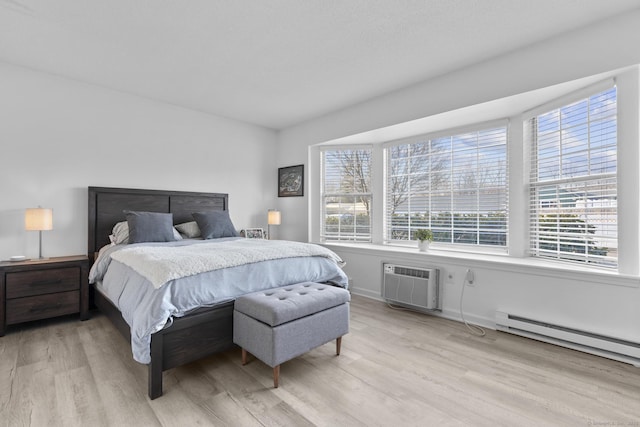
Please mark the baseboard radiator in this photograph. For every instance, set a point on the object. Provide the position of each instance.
(600, 345)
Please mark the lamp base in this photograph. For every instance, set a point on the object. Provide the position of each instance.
(40, 257)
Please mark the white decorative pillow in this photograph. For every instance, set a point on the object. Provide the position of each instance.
(120, 234)
(189, 229)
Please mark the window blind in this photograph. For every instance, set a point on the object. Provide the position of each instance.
(455, 185)
(573, 180)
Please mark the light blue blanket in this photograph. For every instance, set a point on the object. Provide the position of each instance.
(148, 310)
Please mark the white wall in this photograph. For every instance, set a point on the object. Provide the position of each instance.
(59, 136)
(597, 302)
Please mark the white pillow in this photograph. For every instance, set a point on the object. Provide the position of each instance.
(120, 234)
(189, 229)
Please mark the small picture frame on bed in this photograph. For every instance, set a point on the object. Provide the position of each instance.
(252, 233)
(291, 181)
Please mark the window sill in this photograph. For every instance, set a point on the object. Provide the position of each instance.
(494, 261)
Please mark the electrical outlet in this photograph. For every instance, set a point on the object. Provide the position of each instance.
(470, 277)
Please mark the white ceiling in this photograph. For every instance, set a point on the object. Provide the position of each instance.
(276, 63)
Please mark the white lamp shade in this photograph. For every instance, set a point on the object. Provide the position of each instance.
(38, 219)
(273, 217)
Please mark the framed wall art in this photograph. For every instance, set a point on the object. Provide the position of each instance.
(252, 233)
(291, 181)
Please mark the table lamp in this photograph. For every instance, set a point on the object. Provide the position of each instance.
(38, 219)
(273, 218)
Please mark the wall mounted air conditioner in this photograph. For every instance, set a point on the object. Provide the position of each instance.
(412, 286)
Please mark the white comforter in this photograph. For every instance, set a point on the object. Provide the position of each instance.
(182, 261)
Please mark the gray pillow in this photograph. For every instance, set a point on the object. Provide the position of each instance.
(215, 224)
(149, 226)
(120, 233)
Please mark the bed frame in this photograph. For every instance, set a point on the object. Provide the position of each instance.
(200, 334)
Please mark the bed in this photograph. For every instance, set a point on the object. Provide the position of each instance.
(198, 332)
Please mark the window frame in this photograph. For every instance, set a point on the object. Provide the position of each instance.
(538, 235)
(452, 133)
(324, 195)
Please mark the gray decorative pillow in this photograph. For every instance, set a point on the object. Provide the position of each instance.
(150, 226)
(189, 229)
(120, 233)
(215, 224)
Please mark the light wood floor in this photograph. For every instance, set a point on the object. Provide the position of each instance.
(397, 368)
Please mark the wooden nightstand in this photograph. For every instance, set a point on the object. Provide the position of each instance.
(40, 289)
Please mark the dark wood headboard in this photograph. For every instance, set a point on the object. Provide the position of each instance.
(106, 206)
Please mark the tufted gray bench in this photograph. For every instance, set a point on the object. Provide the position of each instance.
(279, 324)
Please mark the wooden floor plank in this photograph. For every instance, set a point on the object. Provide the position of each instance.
(396, 368)
(76, 397)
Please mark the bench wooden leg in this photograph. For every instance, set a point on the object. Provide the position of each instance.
(276, 376)
(244, 357)
(338, 344)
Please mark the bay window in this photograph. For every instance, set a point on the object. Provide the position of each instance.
(571, 165)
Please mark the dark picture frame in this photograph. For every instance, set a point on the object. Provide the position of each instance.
(291, 181)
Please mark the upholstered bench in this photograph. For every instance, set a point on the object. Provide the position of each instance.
(279, 324)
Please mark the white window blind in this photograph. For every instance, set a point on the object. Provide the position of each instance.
(573, 181)
(346, 194)
(454, 185)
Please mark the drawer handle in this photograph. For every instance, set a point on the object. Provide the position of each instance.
(46, 282)
(44, 308)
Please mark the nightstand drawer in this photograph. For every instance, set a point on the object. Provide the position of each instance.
(39, 282)
(42, 306)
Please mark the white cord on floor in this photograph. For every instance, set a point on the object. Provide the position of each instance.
(475, 329)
